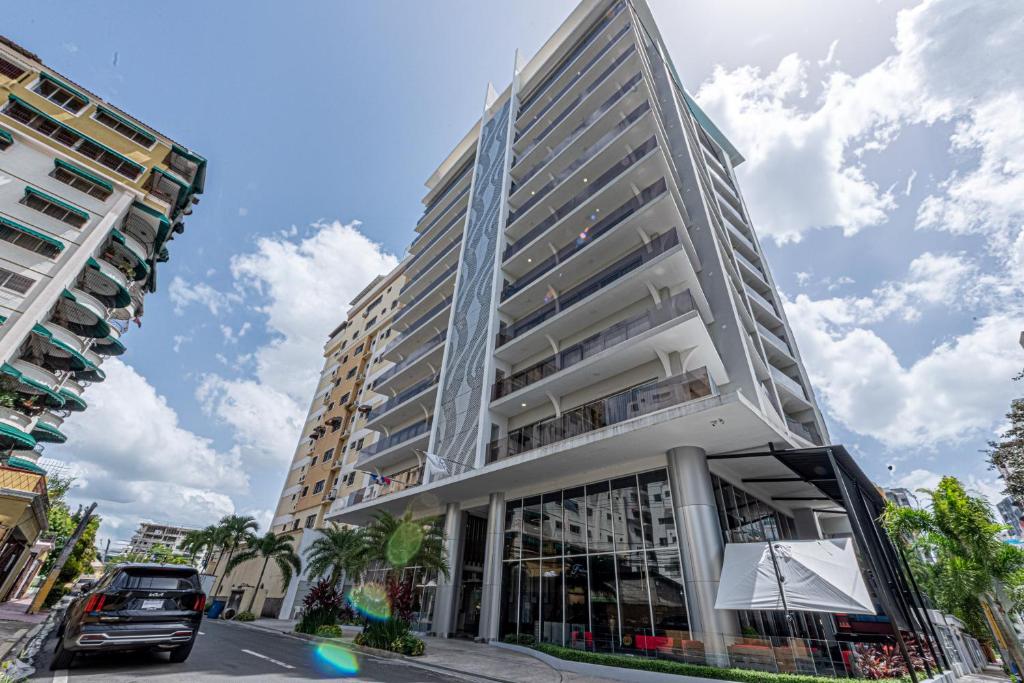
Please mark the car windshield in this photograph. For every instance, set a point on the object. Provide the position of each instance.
(155, 580)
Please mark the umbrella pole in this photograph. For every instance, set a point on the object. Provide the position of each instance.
(782, 594)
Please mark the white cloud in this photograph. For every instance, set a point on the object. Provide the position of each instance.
(179, 340)
(986, 487)
(132, 456)
(183, 294)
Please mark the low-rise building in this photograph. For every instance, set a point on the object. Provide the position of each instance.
(152, 534)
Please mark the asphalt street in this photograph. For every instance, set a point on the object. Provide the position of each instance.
(231, 652)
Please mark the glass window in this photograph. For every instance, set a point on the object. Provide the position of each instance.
(575, 532)
(604, 609)
(551, 593)
(626, 514)
(531, 527)
(599, 518)
(577, 604)
(551, 525)
(529, 598)
(668, 597)
(509, 597)
(656, 508)
(633, 601)
(513, 529)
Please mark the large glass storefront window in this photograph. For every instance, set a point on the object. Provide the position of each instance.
(595, 567)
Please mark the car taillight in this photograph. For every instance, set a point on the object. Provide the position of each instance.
(95, 603)
(200, 603)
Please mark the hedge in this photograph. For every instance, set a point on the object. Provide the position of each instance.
(668, 666)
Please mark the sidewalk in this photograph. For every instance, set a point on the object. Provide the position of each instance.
(15, 624)
(991, 674)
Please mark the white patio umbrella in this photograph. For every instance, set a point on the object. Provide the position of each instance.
(813, 576)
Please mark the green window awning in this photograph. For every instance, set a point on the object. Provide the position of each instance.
(14, 98)
(47, 433)
(53, 200)
(140, 259)
(83, 174)
(24, 464)
(6, 136)
(125, 122)
(12, 436)
(109, 346)
(82, 362)
(73, 401)
(61, 84)
(52, 241)
(199, 182)
(54, 399)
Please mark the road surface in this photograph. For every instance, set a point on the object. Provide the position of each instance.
(231, 652)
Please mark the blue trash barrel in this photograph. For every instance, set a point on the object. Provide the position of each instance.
(215, 609)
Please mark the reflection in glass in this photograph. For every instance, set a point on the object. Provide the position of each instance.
(531, 527)
(551, 601)
(626, 514)
(656, 506)
(529, 598)
(604, 602)
(633, 601)
(574, 503)
(668, 597)
(509, 597)
(577, 604)
(513, 529)
(551, 525)
(599, 518)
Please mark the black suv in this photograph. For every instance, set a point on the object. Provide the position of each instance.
(133, 607)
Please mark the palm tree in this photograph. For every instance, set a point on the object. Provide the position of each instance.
(401, 542)
(234, 531)
(270, 546)
(200, 541)
(340, 550)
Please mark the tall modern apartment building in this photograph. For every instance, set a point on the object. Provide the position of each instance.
(590, 381)
(89, 199)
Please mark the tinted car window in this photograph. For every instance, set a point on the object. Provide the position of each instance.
(157, 581)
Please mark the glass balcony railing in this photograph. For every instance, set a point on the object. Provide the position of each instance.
(568, 60)
(625, 405)
(774, 340)
(580, 161)
(426, 291)
(385, 442)
(807, 430)
(574, 105)
(448, 186)
(402, 365)
(620, 332)
(784, 380)
(438, 236)
(578, 131)
(762, 301)
(419, 322)
(402, 397)
(443, 211)
(591, 189)
(635, 259)
(740, 237)
(581, 73)
(587, 237)
(750, 264)
(399, 481)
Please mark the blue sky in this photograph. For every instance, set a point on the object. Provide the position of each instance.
(883, 175)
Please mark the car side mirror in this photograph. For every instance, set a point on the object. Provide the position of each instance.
(87, 586)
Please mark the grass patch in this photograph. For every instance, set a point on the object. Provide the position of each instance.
(668, 666)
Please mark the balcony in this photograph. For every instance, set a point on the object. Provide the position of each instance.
(788, 385)
(15, 428)
(430, 346)
(399, 481)
(396, 447)
(446, 191)
(105, 282)
(447, 276)
(439, 219)
(775, 344)
(426, 274)
(805, 430)
(608, 290)
(628, 162)
(47, 429)
(639, 207)
(128, 255)
(605, 412)
(410, 403)
(419, 331)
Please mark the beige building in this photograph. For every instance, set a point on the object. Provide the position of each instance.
(152, 534)
(321, 468)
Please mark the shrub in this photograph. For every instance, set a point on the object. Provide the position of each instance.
(245, 616)
(56, 593)
(679, 668)
(330, 631)
(320, 607)
(408, 644)
(524, 639)
(401, 598)
(382, 634)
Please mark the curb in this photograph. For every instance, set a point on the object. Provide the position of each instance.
(22, 653)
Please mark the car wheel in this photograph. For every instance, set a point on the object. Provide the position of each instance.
(180, 654)
(61, 658)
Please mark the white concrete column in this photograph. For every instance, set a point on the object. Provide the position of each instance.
(807, 527)
(490, 607)
(448, 589)
(702, 550)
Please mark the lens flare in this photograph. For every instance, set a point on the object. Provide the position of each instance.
(404, 543)
(371, 601)
(338, 660)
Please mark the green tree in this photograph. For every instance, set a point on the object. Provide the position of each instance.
(270, 546)
(203, 541)
(1007, 453)
(164, 555)
(401, 542)
(234, 531)
(60, 523)
(340, 550)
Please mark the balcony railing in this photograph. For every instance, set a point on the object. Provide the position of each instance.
(402, 397)
(784, 380)
(578, 130)
(573, 106)
(419, 322)
(443, 211)
(591, 189)
(753, 294)
(385, 442)
(622, 331)
(427, 347)
(774, 339)
(585, 156)
(625, 405)
(423, 269)
(635, 259)
(567, 62)
(466, 166)
(399, 481)
(587, 237)
(426, 291)
(807, 430)
(581, 73)
(750, 264)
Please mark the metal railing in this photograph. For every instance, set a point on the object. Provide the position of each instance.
(635, 259)
(625, 405)
(617, 169)
(400, 481)
(427, 347)
(587, 237)
(774, 339)
(426, 291)
(419, 322)
(437, 257)
(784, 380)
(622, 331)
(807, 430)
(385, 442)
(402, 397)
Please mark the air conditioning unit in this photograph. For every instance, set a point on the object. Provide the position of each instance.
(332, 494)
